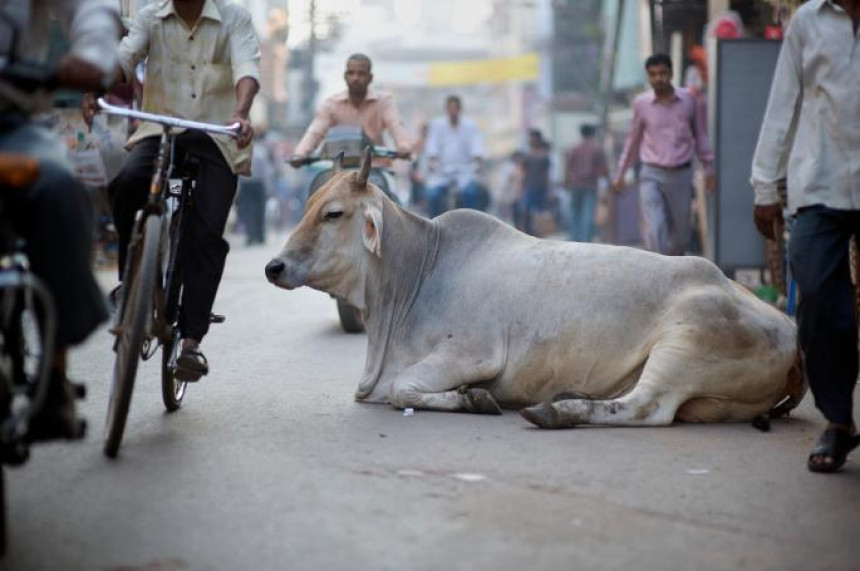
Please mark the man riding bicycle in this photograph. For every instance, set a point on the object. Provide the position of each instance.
(55, 214)
(202, 64)
(374, 111)
(454, 151)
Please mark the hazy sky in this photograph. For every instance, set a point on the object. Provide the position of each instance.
(467, 16)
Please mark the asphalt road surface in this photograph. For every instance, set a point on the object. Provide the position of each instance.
(270, 464)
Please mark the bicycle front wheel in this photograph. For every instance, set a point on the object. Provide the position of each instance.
(172, 389)
(136, 314)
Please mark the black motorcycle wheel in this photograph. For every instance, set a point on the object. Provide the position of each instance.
(136, 313)
(350, 317)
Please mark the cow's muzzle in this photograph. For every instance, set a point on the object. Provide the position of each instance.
(286, 273)
(275, 269)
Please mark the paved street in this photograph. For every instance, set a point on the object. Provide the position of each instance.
(270, 464)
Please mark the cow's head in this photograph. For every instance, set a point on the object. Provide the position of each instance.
(338, 239)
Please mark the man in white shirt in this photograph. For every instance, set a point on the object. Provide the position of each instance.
(454, 151)
(811, 132)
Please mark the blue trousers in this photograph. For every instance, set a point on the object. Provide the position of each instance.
(437, 198)
(582, 202)
(826, 322)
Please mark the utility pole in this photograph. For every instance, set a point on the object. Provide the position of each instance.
(309, 84)
(610, 56)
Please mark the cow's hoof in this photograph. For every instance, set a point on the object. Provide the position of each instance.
(545, 415)
(480, 401)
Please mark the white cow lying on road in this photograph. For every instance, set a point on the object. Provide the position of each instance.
(464, 313)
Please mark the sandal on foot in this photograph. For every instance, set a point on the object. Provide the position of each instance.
(191, 365)
(835, 443)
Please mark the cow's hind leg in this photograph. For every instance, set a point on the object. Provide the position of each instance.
(642, 406)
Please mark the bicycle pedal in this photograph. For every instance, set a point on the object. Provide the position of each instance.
(215, 318)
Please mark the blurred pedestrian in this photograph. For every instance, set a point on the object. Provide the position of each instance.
(585, 164)
(812, 123)
(510, 185)
(454, 153)
(535, 210)
(667, 131)
(418, 173)
(254, 190)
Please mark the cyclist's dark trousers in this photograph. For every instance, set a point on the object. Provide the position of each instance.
(203, 248)
(55, 218)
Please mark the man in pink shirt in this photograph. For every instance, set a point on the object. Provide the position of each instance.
(667, 131)
(374, 112)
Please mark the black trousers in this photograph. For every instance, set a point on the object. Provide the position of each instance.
(826, 319)
(203, 249)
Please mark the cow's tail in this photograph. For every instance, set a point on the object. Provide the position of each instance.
(795, 387)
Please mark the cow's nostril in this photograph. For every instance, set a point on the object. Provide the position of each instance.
(274, 269)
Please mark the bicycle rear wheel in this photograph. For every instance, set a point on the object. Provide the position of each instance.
(136, 313)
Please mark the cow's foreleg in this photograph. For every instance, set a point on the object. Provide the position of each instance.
(442, 382)
(642, 406)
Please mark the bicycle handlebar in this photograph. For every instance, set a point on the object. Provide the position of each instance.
(167, 121)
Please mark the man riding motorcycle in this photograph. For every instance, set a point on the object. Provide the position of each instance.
(374, 111)
(55, 214)
(454, 152)
(203, 64)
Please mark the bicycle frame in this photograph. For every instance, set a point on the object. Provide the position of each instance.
(159, 193)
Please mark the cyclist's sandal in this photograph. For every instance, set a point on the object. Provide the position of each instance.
(835, 443)
(191, 365)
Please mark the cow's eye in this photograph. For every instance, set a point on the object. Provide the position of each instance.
(333, 214)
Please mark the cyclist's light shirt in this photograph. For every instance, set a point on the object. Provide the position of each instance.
(192, 73)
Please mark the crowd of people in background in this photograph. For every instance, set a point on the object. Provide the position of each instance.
(450, 167)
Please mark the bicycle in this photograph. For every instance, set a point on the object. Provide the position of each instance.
(148, 309)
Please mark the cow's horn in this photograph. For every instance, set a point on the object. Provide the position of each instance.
(338, 162)
(364, 173)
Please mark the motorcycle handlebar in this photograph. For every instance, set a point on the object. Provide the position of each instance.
(378, 152)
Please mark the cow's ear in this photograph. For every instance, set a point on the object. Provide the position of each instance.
(372, 233)
(364, 173)
(338, 162)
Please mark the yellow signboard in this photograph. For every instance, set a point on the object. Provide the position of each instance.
(496, 70)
